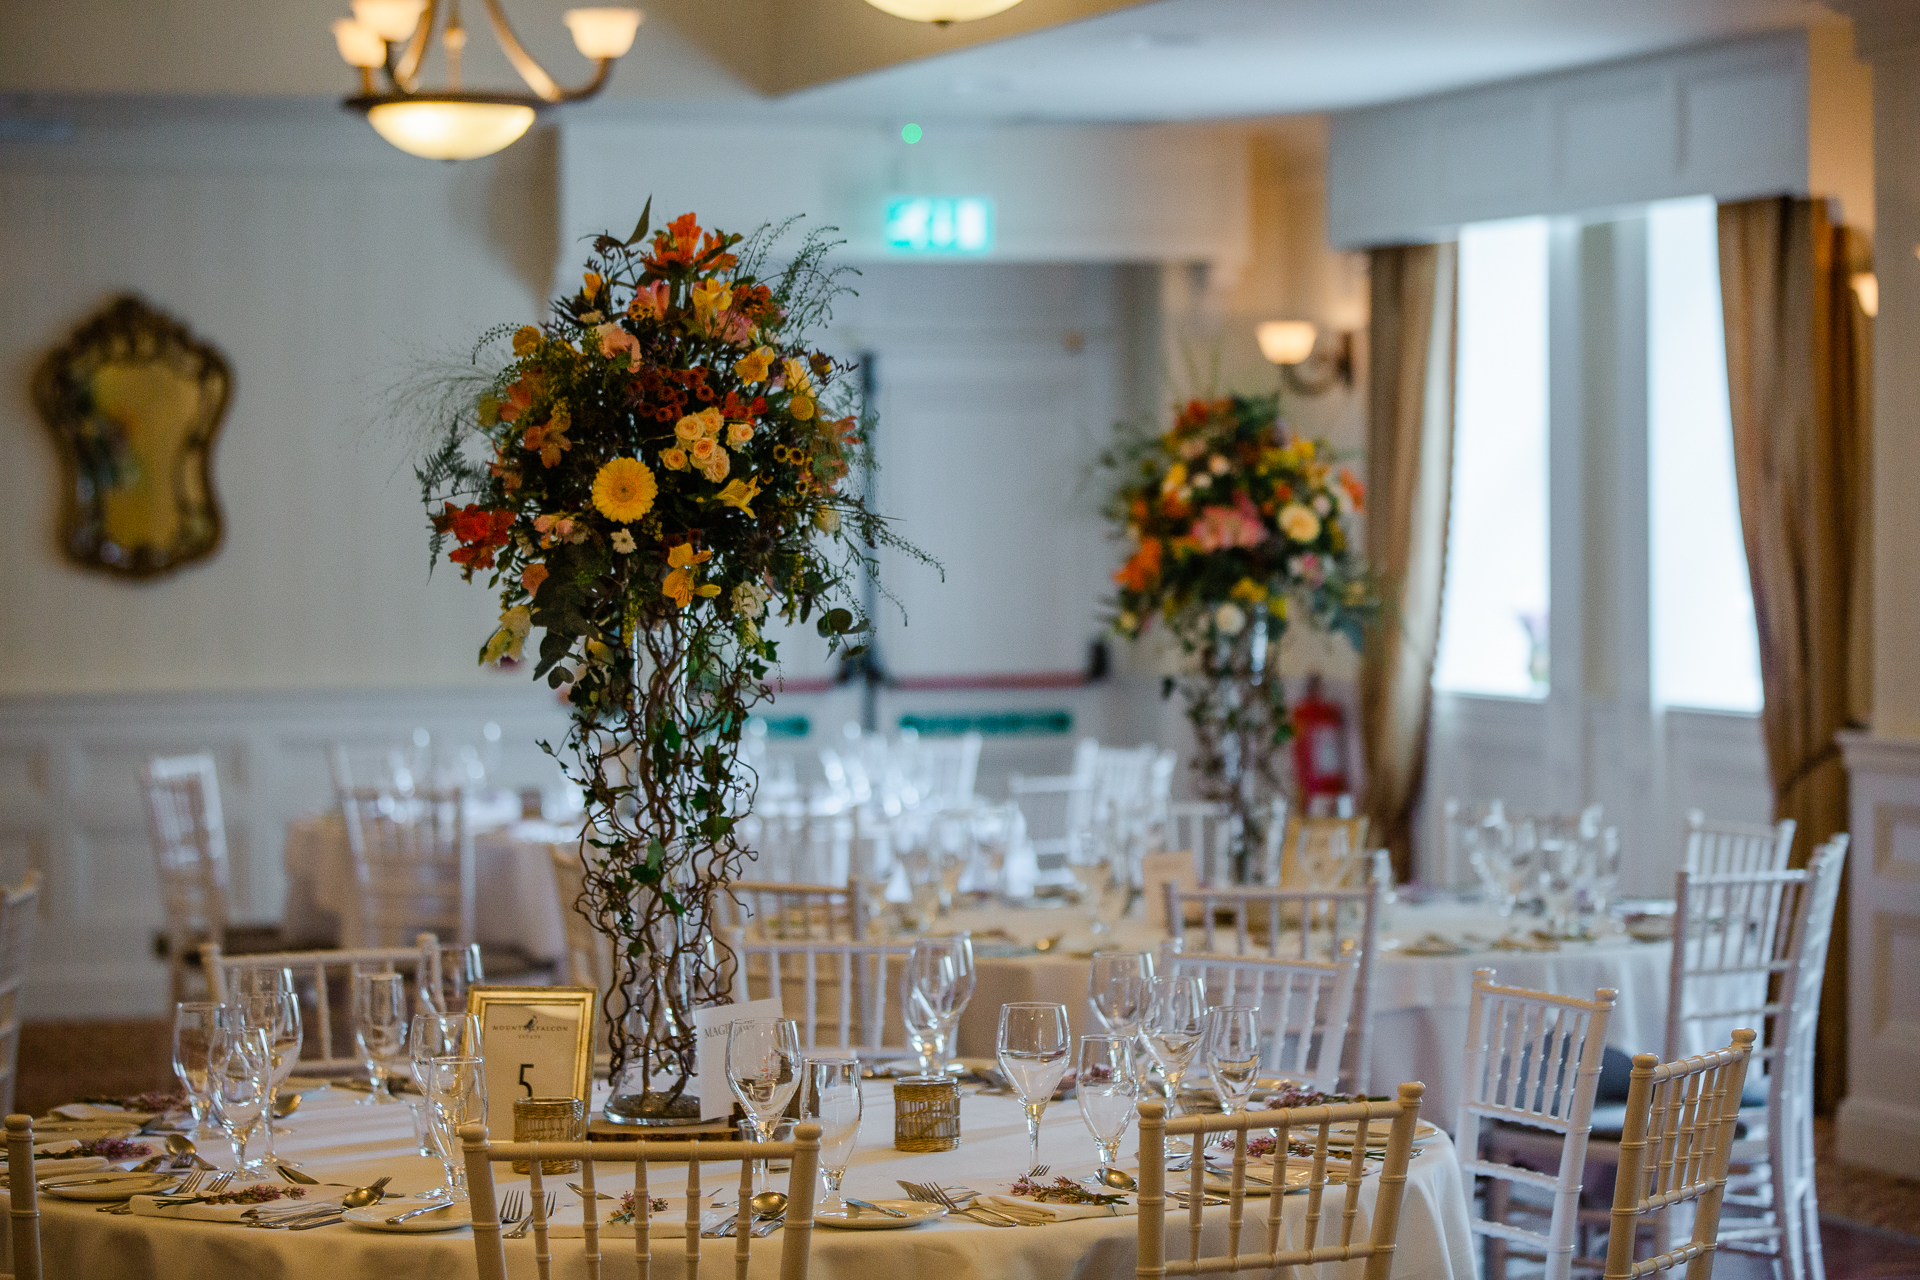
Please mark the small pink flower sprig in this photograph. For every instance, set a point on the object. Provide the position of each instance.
(624, 1213)
(1062, 1190)
(173, 1101)
(259, 1193)
(1262, 1146)
(114, 1149)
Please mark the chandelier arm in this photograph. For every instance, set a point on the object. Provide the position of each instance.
(404, 74)
(529, 68)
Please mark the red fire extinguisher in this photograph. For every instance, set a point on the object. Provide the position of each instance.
(1319, 744)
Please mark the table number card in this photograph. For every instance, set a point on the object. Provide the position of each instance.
(538, 1043)
(710, 1051)
(1157, 870)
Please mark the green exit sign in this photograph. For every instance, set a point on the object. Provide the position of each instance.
(939, 224)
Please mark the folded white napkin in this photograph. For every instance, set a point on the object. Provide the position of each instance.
(1035, 1210)
(87, 1112)
(152, 1207)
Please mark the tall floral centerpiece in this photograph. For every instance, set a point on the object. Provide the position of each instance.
(1235, 529)
(645, 479)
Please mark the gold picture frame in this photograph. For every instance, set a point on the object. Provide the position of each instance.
(537, 1042)
(134, 401)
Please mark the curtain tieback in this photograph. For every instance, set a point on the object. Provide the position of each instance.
(1826, 755)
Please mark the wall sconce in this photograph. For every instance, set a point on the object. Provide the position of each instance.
(1866, 287)
(1289, 345)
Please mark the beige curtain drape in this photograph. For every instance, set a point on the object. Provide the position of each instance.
(1796, 347)
(1410, 474)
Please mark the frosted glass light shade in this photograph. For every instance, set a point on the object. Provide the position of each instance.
(1286, 341)
(359, 44)
(1866, 287)
(391, 20)
(603, 33)
(441, 130)
(943, 11)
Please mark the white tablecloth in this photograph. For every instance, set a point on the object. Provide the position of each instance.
(515, 903)
(340, 1142)
(1419, 1002)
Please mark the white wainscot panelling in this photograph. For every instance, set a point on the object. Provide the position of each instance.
(70, 806)
(1878, 1122)
(1479, 749)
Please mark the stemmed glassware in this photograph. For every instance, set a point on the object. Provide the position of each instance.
(937, 985)
(763, 1069)
(242, 1077)
(832, 1101)
(1107, 1084)
(267, 1000)
(1117, 987)
(456, 1095)
(1035, 1048)
(1232, 1050)
(459, 969)
(438, 1035)
(196, 1035)
(1176, 1017)
(380, 1028)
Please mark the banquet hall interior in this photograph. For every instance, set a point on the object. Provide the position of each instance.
(1399, 503)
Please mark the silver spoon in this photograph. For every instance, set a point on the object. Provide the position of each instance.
(361, 1197)
(1118, 1179)
(581, 1191)
(286, 1104)
(769, 1204)
(178, 1144)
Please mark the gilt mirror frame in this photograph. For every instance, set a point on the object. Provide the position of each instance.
(134, 401)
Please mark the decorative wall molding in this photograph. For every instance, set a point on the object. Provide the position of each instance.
(1726, 120)
(1878, 1125)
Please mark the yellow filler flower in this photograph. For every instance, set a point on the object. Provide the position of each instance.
(624, 490)
(738, 494)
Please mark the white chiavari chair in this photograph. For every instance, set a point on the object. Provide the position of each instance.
(19, 917)
(1304, 1007)
(796, 1235)
(1306, 924)
(1205, 829)
(794, 844)
(1674, 1149)
(1279, 1245)
(1533, 1060)
(772, 910)
(323, 983)
(23, 1190)
(413, 862)
(1729, 848)
(1070, 796)
(951, 766)
(190, 854)
(837, 992)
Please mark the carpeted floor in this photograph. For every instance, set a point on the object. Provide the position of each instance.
(1870, 1221)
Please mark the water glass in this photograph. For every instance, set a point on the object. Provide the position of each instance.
(763, 1069)
(196, 1032)
(1035, 1047)
(456, 1096)
(1176, 1017)
(459, 969)
(438, 1035)
(936, 987)
(1233, 1053)
(267, 1001)
(832, 1101)
(1107, 1083)
(242, 1077)
(380, 1028)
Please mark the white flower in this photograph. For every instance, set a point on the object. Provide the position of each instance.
(1217, 465)
(827, 520)
(1322, 503)
(1230, 620)
(1203, 481)
(749, 600)
(623, 542)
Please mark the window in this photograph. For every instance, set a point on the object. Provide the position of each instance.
(1704, 647)
(1493, 622)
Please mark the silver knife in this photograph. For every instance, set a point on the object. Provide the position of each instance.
(877, 1208)
(398, 1218)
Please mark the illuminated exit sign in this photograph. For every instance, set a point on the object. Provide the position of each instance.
(939, 224)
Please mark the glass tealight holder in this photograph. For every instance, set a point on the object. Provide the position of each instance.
(549, 1120)
(926, 1113)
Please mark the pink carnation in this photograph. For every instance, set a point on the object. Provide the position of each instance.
(1219, 528)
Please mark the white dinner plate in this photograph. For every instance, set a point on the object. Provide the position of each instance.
(123, 1187)
(45, 1167)
(1377, 1132)
(852, 1219)
(374, 1218)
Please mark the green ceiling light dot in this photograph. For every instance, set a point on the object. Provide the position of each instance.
(910, 134)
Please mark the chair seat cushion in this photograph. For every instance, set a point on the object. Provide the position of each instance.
(1616, 1075)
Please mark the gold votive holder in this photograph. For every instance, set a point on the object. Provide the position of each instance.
(549, 1120)
(926, 1113)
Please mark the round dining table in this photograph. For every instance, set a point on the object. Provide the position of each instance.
(343, 1143)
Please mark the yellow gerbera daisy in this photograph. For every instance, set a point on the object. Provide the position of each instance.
(624, 490)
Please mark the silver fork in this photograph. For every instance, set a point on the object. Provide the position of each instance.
(187, 1186)
(929, 1193)
(547, 1205)
(1040, 1171)
(512, 1208)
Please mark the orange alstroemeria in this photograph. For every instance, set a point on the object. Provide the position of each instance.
(681, 584)
(1138, 573)
(549, 439)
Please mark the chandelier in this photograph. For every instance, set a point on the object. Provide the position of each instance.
(395, 36)
(942, 13)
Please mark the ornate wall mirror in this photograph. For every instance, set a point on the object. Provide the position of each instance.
(134, 401)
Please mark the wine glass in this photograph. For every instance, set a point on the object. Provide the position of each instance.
(1107, 1083)
(272, 1008)
(937, 984)
(1233, 1053)
(439, 1035)
(380, 1028)
(1034, 1048)
(196, 1033)
(763, 1069)
(456, 1096)
(832, 1101)
(1117, 988)
(1176, 1015)
(459, 969)
(241, 1073)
